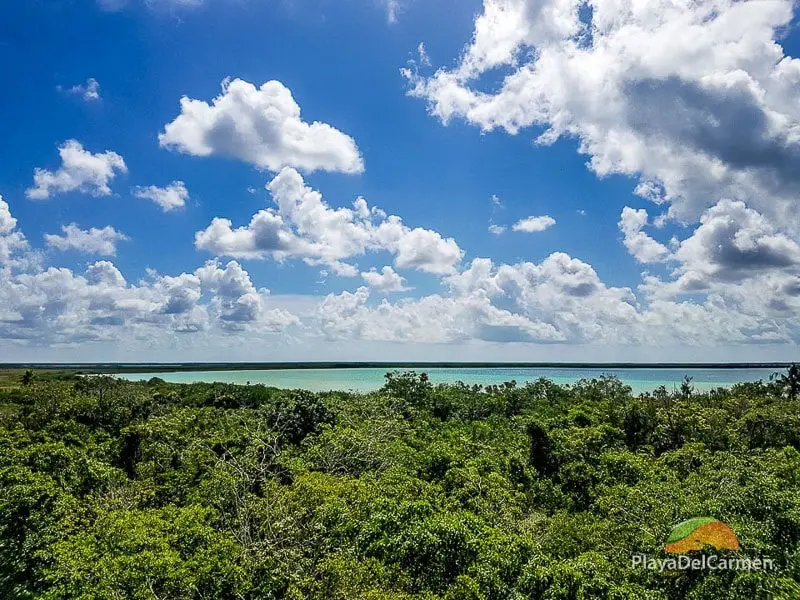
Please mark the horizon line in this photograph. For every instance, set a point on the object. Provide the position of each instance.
(274, 365)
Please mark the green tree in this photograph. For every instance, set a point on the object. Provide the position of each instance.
(27, 377)
(687, 389)
(119, 490)
(789, 381)
(540, 448)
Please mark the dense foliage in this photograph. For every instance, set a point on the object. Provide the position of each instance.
(117, 490)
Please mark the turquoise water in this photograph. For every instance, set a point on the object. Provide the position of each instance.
(365, 380)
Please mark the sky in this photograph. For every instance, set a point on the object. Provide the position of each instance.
(364, 180)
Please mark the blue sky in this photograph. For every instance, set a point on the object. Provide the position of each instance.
(433, 112)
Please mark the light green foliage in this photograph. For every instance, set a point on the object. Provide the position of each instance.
(164, 553)
(112, 490)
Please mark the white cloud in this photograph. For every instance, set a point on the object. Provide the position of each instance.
(742, 276)
(562, 300)
(80, 171)
(424, 59)
(261, 126)
(387, 280)
(697, 99)
(173, 3)
(559, 300)
(266, 234)
(733, 241)
(733, 246)
(57, 306)
(534, 224)
(640, 245)
(89, 92)
(112, 5)
(117, 5)
(393, 8)
(237, 303)
(418, 248)
(746, 270)
(431, 319)
(497, 206)
(12, 241)
(7, 222)
(304, 226)
(101, 241)
(169, 198)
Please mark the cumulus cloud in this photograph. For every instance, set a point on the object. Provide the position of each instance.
(735, 279)
(733, 242)
(418, 248)
(265, 234)
(169, 198)
(387, 280)
(741, 275)
(237, 303)
(430, 319)
(562, 300)
(102, 241)
(80, 171)
(534, 224)
(496, 229)
(736, 276)
(559, 300)
(89, 92)
(733, 252)
(697, 99)
(12, 241)
(56, 305)
(304, 226)
(640, 245)
(261, 126)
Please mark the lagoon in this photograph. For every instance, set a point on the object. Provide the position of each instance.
(370, 379)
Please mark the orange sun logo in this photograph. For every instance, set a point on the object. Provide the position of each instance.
(696, 533)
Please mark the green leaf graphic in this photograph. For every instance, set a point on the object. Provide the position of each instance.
(685, 528)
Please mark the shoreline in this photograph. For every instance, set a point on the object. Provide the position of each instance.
(112, 368)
